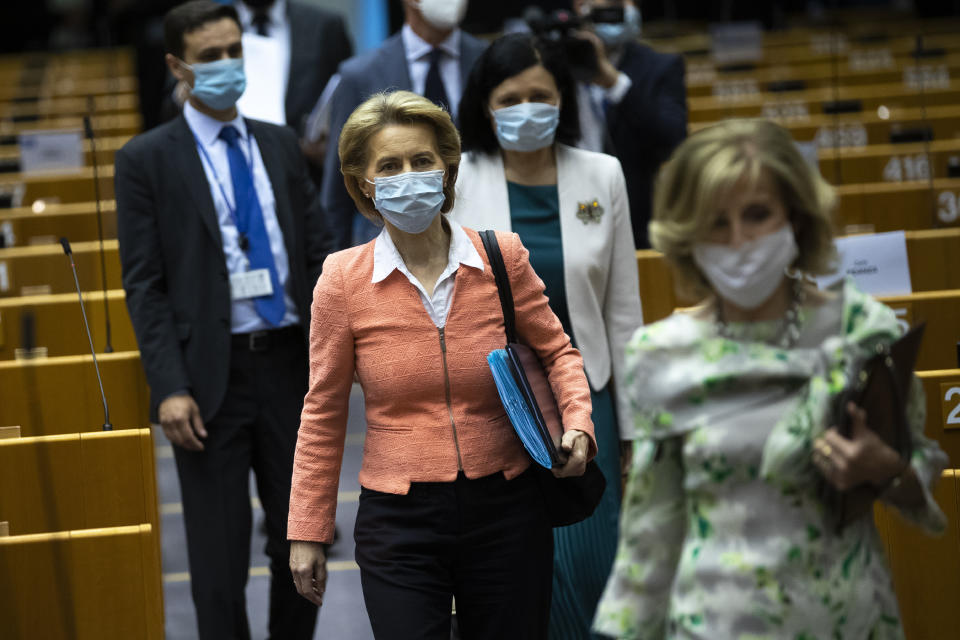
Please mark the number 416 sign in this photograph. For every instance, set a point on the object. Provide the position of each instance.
(950, 395)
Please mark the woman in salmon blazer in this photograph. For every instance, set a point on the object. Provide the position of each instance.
(448, 505)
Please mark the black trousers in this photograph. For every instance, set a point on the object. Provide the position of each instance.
(256, 427)
(485, 541)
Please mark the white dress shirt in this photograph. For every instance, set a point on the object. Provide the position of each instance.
(386, 258)
(277, 29)
(592, 99)
(418, 63)
(206, 130)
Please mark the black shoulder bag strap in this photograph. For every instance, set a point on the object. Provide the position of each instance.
(492, 247)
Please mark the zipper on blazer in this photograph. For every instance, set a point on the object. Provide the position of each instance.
(446, 383)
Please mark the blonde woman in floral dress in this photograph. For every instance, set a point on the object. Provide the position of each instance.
(722, 534)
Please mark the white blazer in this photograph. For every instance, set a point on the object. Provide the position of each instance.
(599, 260)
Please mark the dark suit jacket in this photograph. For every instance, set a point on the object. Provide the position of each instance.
(171, 252)
(647, 125)
(384, 68)
(318, 44)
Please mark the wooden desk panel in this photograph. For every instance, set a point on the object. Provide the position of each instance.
(787, 106)
(58, 323)
(92, 584)
(942, 391)
(910, 206)
(116, 124)
(704, 80)
(46, 266)
(107, 148)
(941, 311)
(52, 396)
(888, 162)
(46, 107)
(869, 128)
(926, 570)
(78, 481)
(60, 187)
(75, 221)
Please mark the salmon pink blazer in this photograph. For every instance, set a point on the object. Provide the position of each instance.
(432, 408)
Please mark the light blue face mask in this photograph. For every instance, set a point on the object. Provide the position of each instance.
(410, 201)
(218, 84)
(527, 126)
(616, 34)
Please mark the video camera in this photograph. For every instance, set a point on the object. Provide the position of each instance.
(559, 27)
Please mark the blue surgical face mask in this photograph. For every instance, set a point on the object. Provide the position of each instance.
(616, 34)
(527, 126)
(410, 201)
(218, 84)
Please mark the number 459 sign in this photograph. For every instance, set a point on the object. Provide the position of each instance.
(950, 394)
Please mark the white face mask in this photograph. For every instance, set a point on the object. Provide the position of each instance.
(527, 126)
(747, 276)
(410, 201)
(443, 14)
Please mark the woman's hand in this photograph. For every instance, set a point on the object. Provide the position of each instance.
(863, 458)
(308, 564)
(575, 443)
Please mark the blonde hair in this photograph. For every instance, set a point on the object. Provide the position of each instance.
(397, 108)
(714, 160)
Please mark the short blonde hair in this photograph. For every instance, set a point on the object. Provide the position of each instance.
(396, 108)
(711, 162)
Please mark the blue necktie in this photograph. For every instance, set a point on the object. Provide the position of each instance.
(253, 232)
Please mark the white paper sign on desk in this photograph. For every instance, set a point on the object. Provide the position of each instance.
(59, 150)
(877, 262)
(266, 88)
(734, 42)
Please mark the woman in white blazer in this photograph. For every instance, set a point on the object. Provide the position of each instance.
(520, 173)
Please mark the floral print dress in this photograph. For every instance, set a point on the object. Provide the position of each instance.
(722, 535)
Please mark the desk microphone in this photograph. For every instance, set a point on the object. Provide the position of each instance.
(103, 396)
(88, 129)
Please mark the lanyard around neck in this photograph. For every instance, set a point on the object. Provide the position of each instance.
(232, 209)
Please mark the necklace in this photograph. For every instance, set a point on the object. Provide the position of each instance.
(789, 332)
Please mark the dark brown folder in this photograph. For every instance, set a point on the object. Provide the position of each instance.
(880, 386)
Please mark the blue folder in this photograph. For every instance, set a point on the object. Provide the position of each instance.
(517, 408)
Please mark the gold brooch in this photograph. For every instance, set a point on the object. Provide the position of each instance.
(589, 212)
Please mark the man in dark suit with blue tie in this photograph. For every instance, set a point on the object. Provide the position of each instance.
(431, 56)
(221, 241)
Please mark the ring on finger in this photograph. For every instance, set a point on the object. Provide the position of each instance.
(821, 460)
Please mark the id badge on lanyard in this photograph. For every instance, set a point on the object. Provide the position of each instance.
(247, 284)
(250, 284)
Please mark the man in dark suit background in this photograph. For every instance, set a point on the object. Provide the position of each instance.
(431, 56)
(316, 40)
(221, 241)
(635, 108)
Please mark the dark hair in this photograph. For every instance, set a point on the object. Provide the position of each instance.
(504, 58)
(190, 16)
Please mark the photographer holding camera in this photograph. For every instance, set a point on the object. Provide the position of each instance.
(633, 101)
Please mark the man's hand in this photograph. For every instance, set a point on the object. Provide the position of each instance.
(575, 443)
(308, 564)
(607, 74)
(181, 422)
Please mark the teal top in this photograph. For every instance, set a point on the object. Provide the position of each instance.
(583, 552)
(535, 217)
